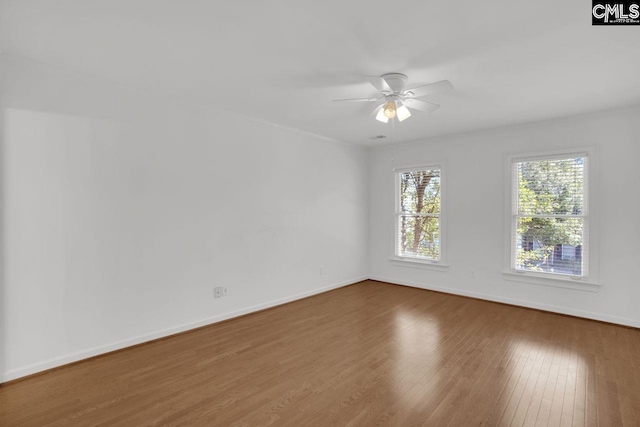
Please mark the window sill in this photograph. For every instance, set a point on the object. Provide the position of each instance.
(551, 280)
(425, 265)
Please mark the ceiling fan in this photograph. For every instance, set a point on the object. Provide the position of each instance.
(396, 100)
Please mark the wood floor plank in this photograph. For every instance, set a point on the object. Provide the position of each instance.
(556, 402)
(531, 367)
(370, 354)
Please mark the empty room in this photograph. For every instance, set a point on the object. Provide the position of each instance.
(319, 213)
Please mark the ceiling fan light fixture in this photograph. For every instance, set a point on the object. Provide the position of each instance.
(390, 109)
(381, 116)
(403, 113)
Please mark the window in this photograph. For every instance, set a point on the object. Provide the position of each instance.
(549, 211)
(418, 233)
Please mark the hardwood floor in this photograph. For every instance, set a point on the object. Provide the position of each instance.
(370, 354)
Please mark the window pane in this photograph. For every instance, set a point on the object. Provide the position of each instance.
(419, 237)
(552, 245)
(551, 187)
(420, 191)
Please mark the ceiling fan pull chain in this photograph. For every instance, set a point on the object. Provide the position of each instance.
(393, 131)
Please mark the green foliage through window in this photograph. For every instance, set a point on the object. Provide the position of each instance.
(418, 214)
(549, 215)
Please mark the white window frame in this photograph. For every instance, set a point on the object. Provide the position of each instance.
(588, 281)
(429, 264)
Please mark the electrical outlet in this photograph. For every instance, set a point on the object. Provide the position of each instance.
(473, 274)
(225, 291)
(217, 292)
(321, 270)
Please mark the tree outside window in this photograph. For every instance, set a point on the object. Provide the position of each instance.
(549, 215)
(418, 214)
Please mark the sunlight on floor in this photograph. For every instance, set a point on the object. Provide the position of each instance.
(416, 353)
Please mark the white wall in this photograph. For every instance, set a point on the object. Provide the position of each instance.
(476, 214)
(122, 210)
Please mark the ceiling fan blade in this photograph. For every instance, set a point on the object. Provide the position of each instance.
(427, 107)
(430, 89)
(355, 100)
(379, 83)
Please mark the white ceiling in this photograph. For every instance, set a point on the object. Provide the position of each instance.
(283, 61)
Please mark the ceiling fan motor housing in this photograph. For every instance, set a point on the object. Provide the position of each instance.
(396, 81)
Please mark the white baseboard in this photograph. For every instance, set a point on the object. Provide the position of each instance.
(96, 351)
(495, 298)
